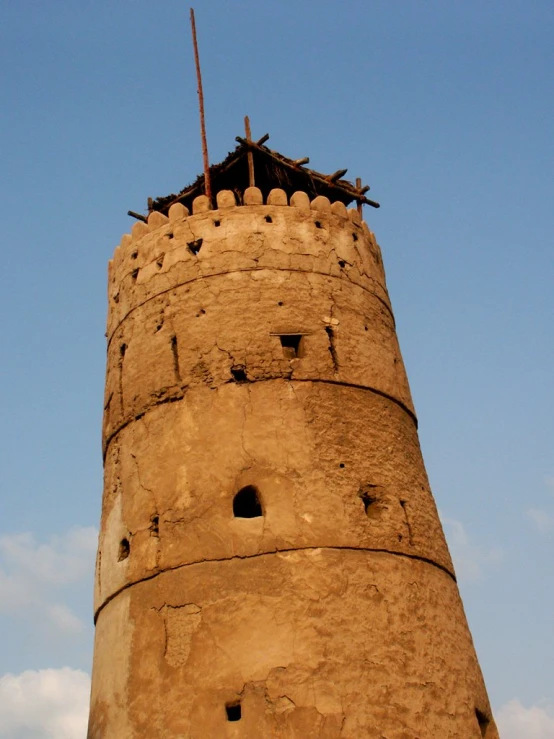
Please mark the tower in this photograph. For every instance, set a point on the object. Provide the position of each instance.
(271, 562)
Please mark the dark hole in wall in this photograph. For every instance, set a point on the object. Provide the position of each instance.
(134, 274)
(342, 263)
(268, 219)
(483, 722)
(355, 237)
(123, 349)
(195, 246)
(318, 224)
(134, 255)
(246, 503)
(234, 711)
(217, 223)
(154, 525)
(170, 235)
(341, 465)
(160, 261)
(292, 345)
(239, 374)
(367, 499)
(124, 550)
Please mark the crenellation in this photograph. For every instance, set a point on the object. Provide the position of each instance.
(201, 204)
(177, 212)
(284, 244)
(321, 203)
(156, 220)
(253, 196)
(339, 209)
(277, 197)
(138, 230)
(301, 201)
(226, 199)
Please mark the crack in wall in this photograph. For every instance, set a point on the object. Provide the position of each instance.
(181, 396)
(238, 557)
(250, 269)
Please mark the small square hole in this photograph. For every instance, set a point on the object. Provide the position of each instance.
(292, 345)
(234, 712)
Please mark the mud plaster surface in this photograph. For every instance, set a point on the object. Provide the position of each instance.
(336, 612)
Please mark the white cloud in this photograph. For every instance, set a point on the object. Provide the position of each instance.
(543, 521)
(514, 721)
(469, 558)
(44, 704)
(31, 573)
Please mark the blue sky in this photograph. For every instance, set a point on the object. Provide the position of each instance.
(446, 109)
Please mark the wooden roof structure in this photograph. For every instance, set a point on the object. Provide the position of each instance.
(253, 163)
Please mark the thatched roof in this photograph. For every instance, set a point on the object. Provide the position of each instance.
(271, 170)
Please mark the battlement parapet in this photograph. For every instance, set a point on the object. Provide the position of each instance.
(168, 251)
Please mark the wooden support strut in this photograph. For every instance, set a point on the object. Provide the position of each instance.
(138, 216)
(250, 156)
(346, 187)
(359, 188)
(337, 175)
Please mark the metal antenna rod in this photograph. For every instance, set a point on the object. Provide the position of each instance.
(207, 182)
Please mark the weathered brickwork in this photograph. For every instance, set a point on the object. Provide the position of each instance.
(271, 562)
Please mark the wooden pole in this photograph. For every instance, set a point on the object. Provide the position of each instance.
(250, 155)
(359, 187)
(207, 183)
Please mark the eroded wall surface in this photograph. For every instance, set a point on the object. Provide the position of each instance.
(253, 348)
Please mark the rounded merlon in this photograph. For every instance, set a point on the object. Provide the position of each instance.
(177, 212)
(226, 199)
(277, 197)
(201, 204)
(253, 196)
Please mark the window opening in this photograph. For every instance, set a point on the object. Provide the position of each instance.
(239, 374)
(217, 223)
(368, 500)
(124, 550)
(246, 503)
(292, 345)
(195, 246)
(483, 722)
(234, 711)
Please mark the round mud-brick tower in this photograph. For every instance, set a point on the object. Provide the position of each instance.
(271, 563)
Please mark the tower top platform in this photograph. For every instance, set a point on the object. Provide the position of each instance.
(272, 170)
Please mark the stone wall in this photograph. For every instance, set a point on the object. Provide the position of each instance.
(271, 562)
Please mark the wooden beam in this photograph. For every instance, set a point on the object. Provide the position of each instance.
(249, 155)
(359, 188)
(345, 187)
(138, 216)
(299, 162)
(337, 175)
(207, 182)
